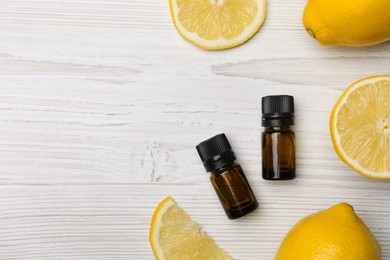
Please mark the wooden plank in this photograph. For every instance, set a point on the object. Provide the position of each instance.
(111, 221)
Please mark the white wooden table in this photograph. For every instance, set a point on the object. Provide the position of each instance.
(102, 104)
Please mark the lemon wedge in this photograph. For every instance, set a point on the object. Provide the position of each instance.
(173, 235)
(360, 127)
(217, 24)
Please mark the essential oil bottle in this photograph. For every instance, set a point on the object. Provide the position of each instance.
(278, 140)
(227, 177)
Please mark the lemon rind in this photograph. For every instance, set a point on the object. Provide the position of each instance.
(155, 225)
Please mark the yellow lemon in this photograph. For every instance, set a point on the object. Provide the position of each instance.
(334, 234)
(217, 24)
(348, 22)
(360, 127)
(174, 236)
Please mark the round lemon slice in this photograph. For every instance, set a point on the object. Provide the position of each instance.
(174, 236)
(217, 24)
(360, 127)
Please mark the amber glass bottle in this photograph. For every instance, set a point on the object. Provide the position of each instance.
(227, 177)
(278, 140)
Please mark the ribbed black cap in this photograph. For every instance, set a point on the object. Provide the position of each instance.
(277, 110)
(215, 152)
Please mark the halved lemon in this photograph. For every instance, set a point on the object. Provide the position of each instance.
(174, 236)
(217, 24)
(360, 126)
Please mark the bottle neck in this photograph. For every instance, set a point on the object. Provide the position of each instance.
(220, 160)
(225, 168)
(277, 120)
(280, 129)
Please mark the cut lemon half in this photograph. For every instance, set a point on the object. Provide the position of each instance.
(217, 24)
(173, 235)
(360, 127)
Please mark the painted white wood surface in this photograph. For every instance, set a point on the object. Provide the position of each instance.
(102, 103)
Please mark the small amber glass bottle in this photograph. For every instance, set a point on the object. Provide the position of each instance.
(278, 139)
(227, 177)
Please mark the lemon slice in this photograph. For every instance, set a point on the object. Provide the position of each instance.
(173, 235)
(360, 127)
(217, 24)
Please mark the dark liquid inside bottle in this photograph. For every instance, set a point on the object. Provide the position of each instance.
(233, 191)
(278, 153)
(227, 177)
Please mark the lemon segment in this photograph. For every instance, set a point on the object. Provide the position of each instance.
(360, 127)
(173, 235)
(217, 24)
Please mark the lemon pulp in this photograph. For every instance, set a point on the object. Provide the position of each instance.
(360, 126)
(217, 24)
(173, 235)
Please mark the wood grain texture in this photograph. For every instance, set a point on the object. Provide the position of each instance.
(102, 103)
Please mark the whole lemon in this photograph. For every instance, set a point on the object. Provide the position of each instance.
(348, 22)
(334, 234)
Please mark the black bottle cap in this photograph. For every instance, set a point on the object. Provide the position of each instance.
(277, 110)
(215, 152)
